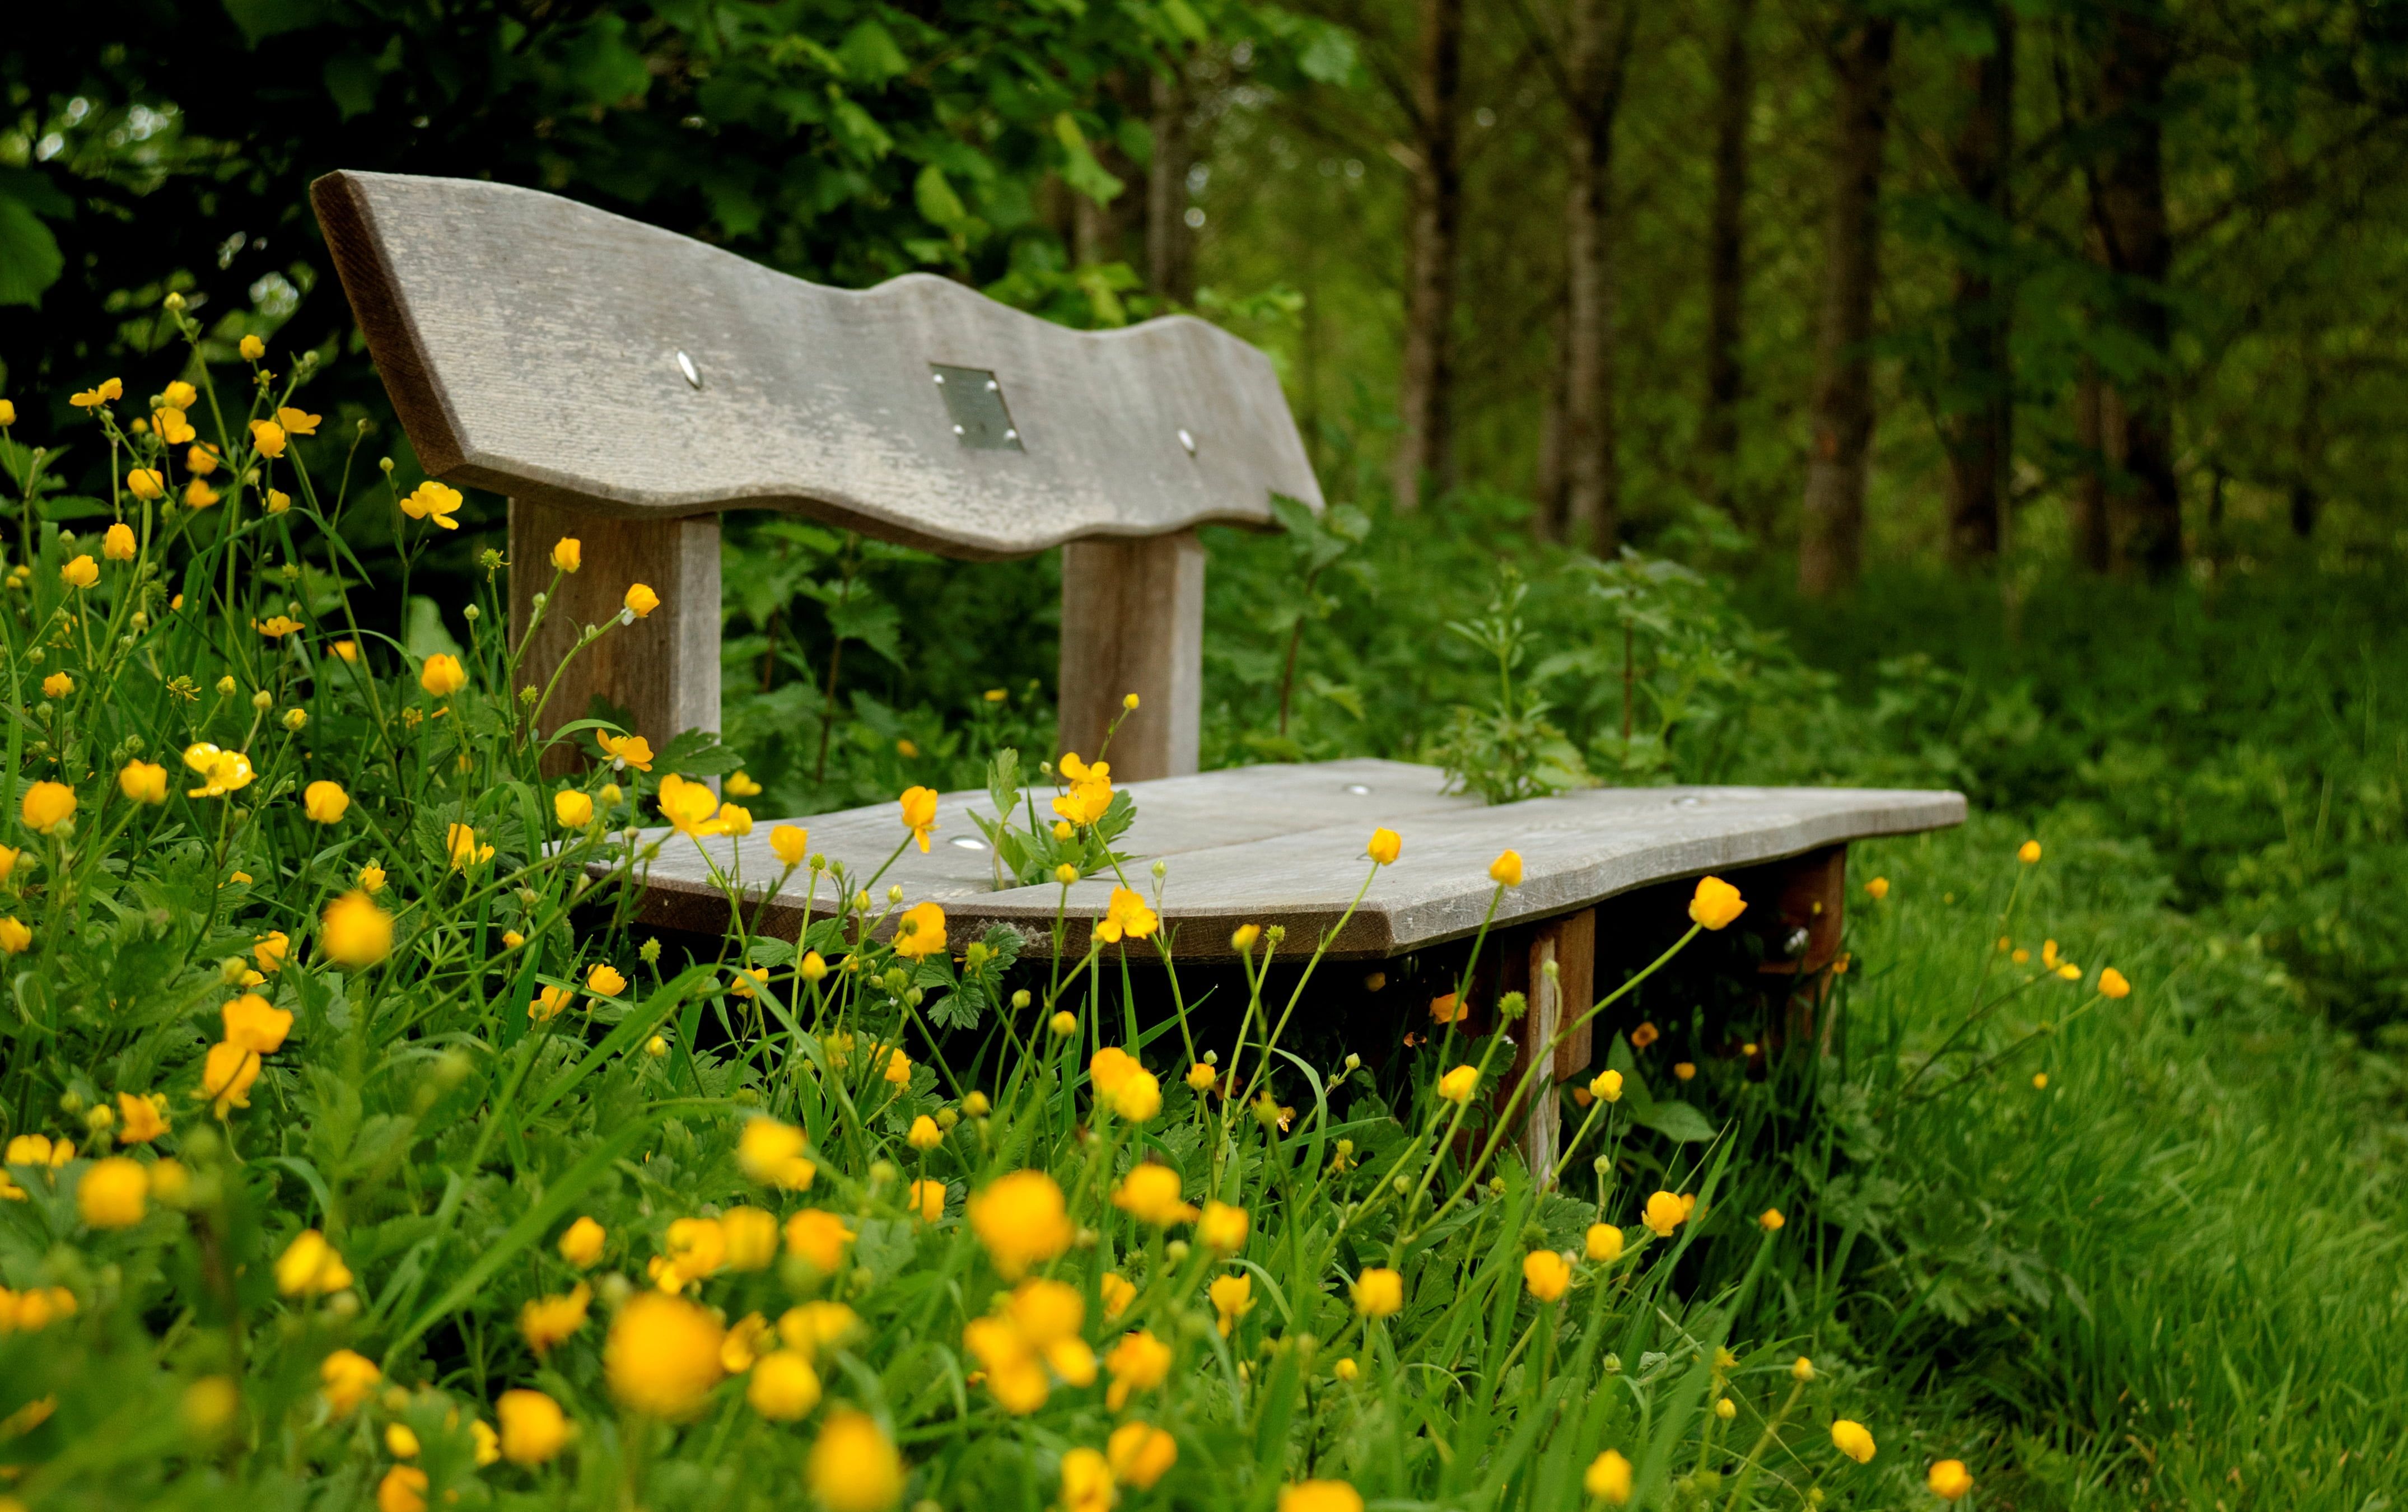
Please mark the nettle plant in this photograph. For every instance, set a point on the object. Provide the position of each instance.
(358, 1149)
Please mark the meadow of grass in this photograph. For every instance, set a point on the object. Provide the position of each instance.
(359, 1152)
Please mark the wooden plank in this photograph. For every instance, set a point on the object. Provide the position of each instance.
(1133, 622)
(663, 669)
(1806, 915)
(1284, 845)
(538, 348)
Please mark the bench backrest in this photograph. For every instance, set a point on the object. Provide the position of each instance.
(593, 368)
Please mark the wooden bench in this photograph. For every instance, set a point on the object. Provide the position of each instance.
(622, 384)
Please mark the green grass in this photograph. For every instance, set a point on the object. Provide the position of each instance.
(2171, 1278)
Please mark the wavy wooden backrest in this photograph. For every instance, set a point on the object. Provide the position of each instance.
(623, 383)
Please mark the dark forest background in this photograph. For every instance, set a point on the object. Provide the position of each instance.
(2106, 285)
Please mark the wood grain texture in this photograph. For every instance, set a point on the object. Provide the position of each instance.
(1133, 622)
(664, 669)
(530, 345)
(1283, 845)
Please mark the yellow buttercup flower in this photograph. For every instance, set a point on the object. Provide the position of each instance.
(1150, 1193)
(740, 785)
(46, 805)
(1126, 915)
(920, 814)
(347, 1377)
(1607, 1478)
(691, 807)
(920, 932)
(1201, 1076)
(226, 1075)
(547, 1320)
(1232, 1298)
(267, 438)
(310, 1267)
(297, 422)
(2028, 852)
(1604, 1242)
(402, 1489)
(1138, 1363)
(581, 1245)
(605, 981)
(1853, 1440)
(1140, 1454)
(818, 1238)
(854, 1466)
(1507, 869)
(790, 843)
(252, 348)
(1386, 847)
(1949, 1481)
(1606, 1087)
(771, 1153)
(573, 809)
(146, 483)
(628, 750)
(1086, 1482)
(255, 1024)
(355, 932)
(276, 626)
(1118, 1292)
(114, 1193)
(270, 951)
(534, 1429)
(325, 802)
(1664, 1212)
(1716, 903)
(2112, 985)
(141, 1118)
(431, 500)
(200, 495)
(1458, 1085)
(1802, 1368)
(442, 675)
(1320, 1496)
(1771, 1221)
(119, 544)
(640, 600)
(926, 1199)
(783, 1387)
(1022, 1219)
(1379, 1292)
(661, 1357)
(143, 782)
(1877, 889)
(460, 843)
(1223, 1226)
(1547, 1275)
(57, 686)
(109, 392)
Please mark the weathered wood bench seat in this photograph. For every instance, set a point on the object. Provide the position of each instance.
(623, 384)
(1283, 845)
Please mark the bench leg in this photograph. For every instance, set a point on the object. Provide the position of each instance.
(1806, 908)
(1133, 622)
(663, 670)
(1569, 945)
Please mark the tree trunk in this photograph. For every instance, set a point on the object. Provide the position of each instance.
(1547, 489)
(1424, 448)
(1978, 422)
(2131, 223)
(1169, 243)
(1830, 551)
(1725, 267)
(1592, 478)
(2088, 524)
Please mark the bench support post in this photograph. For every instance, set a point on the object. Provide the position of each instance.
(1133, 622)
(1568, 943)
(664, 669)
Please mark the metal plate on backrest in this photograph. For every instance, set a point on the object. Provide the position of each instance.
(532, 345)
(974, 401)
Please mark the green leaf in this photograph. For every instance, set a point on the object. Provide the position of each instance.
(426, 635)
(870, 55)
(30, 259)
(1080, 169)
(263, 18)
(935, 198)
